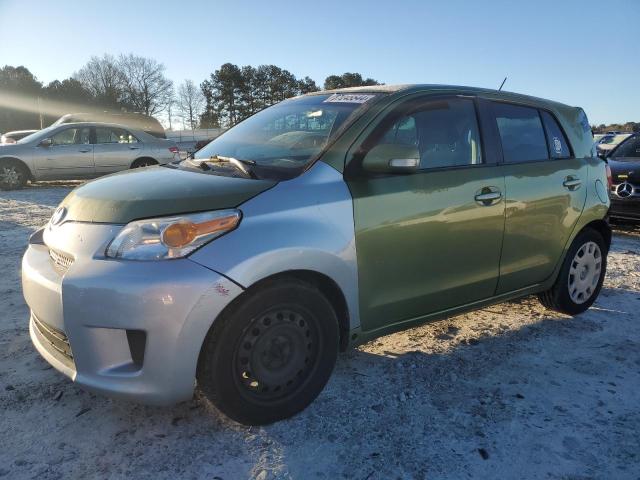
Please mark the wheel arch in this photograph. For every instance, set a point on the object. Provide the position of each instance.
(21, 162)
(329, 289)
(143, 158)
(602, 227)
(325, 284)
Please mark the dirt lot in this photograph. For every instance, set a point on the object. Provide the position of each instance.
(512, 391)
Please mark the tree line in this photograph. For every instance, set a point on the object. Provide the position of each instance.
(629, 127)
(233, 93)
(134, 83)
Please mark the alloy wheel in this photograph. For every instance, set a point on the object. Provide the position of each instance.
(10, 176)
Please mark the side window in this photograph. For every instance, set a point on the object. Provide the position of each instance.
(629, 148)
(558, 145)
(445, 133)
(521, 133)
(71, 136)
(114, 135)
(403, 132)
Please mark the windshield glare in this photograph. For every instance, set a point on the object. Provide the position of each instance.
(36, 135)
(288, 134)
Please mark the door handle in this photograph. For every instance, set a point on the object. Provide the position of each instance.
(488, 196)
(85, 150)
(134, 148)
(572, 183)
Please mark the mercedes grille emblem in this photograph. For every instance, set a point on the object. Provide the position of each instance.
(624, 190)
(58, 215)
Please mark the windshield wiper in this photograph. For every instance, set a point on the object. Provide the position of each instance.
(243, 165)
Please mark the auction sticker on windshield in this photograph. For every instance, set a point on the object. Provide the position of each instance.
(348, 98)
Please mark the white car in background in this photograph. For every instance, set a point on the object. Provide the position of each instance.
(609, 141)
(79, 151)
(13, 137)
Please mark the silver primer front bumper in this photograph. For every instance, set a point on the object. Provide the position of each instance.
(134, 329)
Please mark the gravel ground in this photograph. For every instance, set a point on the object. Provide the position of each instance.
(511, 391)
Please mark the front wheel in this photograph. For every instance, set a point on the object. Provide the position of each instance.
(13, 175)
(581, 277)
(270, 354)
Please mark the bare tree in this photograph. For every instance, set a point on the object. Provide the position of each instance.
(146, 88)
(102, 77)
(190, 103)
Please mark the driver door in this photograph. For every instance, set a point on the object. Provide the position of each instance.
(69, 155)
(426, 240)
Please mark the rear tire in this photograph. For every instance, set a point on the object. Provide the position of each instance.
(580, 279)
(13, 175)
(143, 162)
(270, 354)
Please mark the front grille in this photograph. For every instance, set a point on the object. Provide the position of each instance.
(61, 261)
(54, 337)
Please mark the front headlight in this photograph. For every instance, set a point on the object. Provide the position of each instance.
(171, 237)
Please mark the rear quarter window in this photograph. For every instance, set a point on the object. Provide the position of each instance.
(521, 132)
(558, 145)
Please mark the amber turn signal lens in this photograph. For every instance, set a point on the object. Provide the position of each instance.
(179, 234)
(183, 233)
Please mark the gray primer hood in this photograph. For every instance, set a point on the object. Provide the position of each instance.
(157, 191)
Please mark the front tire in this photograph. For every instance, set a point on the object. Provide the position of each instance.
(270, 354)
(580, 279)
(13, 175)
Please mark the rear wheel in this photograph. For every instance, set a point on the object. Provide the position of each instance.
(581, 276)
(13, 175)
(143, 162)
(270, 354)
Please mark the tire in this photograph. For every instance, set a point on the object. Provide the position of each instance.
(580, 279)
(13, 175)
(143, 162)
(270, 353)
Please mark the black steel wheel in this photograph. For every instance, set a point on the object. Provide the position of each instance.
(271, 353)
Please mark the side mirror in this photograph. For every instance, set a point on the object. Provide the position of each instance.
(392, 158)
(47, 142)
(603, 154)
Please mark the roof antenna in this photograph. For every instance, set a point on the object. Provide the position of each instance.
(502, 84)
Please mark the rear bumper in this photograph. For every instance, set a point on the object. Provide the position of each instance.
(134, 329)
(625, 209)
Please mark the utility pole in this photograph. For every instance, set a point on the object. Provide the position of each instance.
(40, 113)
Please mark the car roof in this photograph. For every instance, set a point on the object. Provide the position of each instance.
(435, 88)
(13, 132)
(99, 124)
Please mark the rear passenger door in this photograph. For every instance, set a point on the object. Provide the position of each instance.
(545, 193)
(115, 149)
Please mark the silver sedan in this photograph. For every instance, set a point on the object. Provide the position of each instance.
(78, 151)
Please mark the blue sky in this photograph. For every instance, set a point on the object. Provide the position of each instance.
(566, 50)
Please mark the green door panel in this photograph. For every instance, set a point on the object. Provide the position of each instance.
(424, 244)
(540, 215)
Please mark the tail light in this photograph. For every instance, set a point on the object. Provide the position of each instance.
(609, 176)
(173, 149)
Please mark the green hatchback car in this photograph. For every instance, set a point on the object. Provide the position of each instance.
(319, 223)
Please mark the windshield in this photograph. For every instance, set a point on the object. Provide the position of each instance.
(40, 134)
(289, 134)
(613, 139)
(628, 149)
